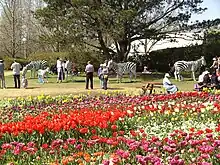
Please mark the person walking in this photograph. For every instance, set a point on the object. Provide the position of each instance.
(2, 76)
(16, 68)
(89, 75)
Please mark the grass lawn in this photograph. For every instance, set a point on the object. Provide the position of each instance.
(78, 85)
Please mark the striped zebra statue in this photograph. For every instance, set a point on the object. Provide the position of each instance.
(122, 68)
(34, 66)
(188, 66)
(70, 70)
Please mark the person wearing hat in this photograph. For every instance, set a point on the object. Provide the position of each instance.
(170, 88)
(2, 76)
(100, 75)
(89, 75)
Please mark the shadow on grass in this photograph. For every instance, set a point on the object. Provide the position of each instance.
(22, 88)
(115, 88)
(126, 82)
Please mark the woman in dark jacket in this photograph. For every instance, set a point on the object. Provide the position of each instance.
(214, 81)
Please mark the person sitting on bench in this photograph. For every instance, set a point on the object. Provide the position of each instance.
(170, 88)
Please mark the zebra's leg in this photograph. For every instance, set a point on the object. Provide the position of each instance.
(120, 78)
(193, 75)
(72, 75)
(46, 77)
(66, 75)
(31, 76)
(175, 74)
(135, 76)
(130, 75)
(34, 73)
(179, 76)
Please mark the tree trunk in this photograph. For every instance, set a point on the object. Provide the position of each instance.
(103, 45)
(124, 48)
(13, 31)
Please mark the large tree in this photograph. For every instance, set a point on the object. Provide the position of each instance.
(19, 29)
(103, 23)
(10, 27)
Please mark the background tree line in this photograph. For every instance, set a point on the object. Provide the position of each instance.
(94, 29)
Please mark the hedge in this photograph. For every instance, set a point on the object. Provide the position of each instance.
(8, 61)
(80, 58)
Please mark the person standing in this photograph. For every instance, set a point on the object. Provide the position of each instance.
(66, 68)
(63, 69)
(100, 75)
(2, 76)
(215, 63)
(16, 67)
(59, 70)
(105, 77)
(89, 75)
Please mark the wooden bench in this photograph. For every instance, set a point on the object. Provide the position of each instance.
(150, 86)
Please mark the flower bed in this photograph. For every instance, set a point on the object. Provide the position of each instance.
(112, 129)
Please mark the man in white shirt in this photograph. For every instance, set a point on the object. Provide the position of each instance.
(89, 75)
(59, 70)
(16, 68)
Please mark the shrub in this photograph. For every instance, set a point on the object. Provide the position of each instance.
(50, 57)
(8, 61)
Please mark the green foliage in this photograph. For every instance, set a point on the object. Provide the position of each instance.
(50, 57)
(8, 61)
(212, 37)
(79, 57)
(100, 24)
(82, 57)
(161, 59)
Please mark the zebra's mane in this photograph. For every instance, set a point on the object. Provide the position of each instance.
(198, 60)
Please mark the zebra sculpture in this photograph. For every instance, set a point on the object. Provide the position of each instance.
(34, 66)
(122, 68)
(188, 66)
(70, 69)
